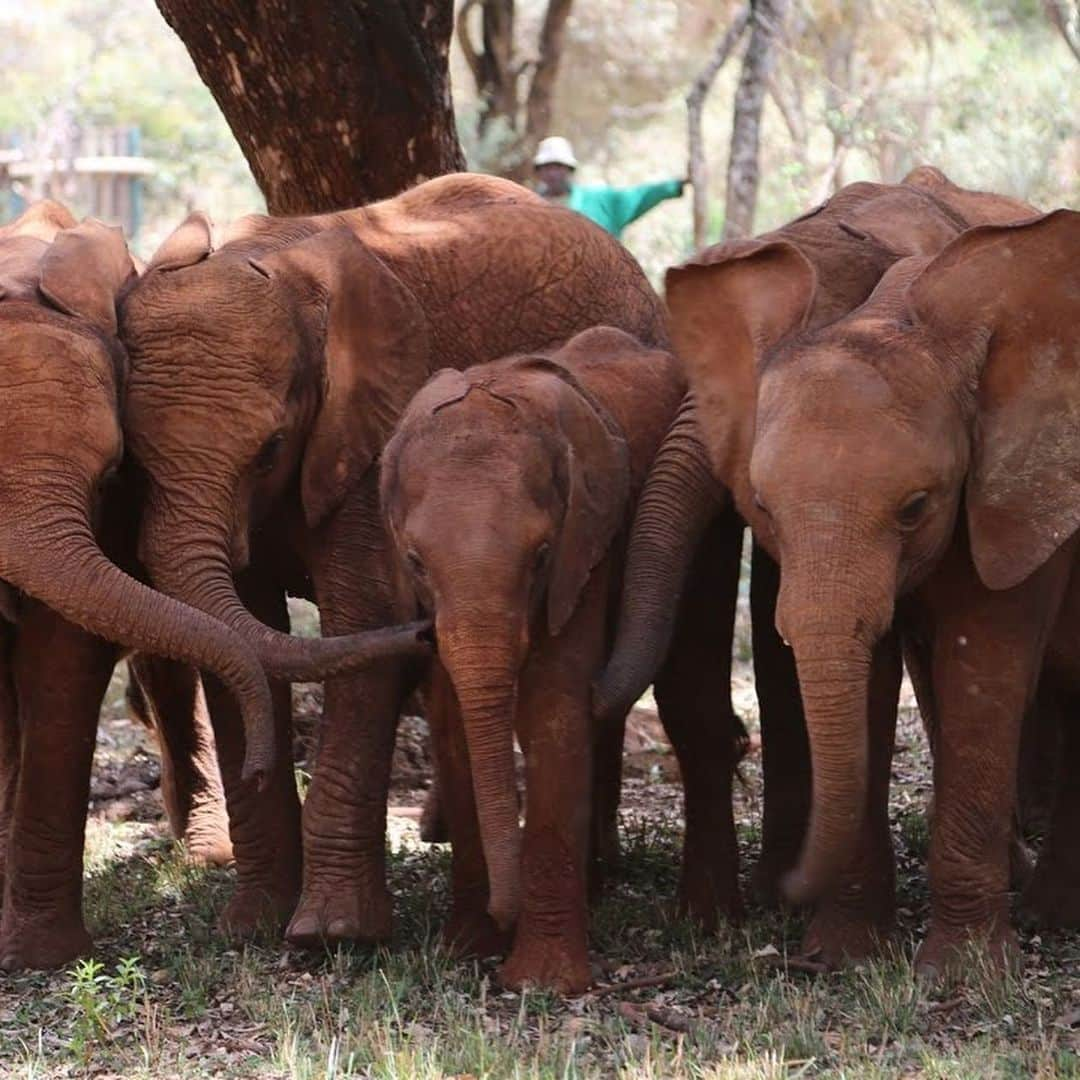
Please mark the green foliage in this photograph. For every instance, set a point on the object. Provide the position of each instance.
(101, 1002)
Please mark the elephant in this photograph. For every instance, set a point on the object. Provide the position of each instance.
(507, 490)
(847, 244)
(70, 606)
(66, 605)
(269, 363)
(945, 407)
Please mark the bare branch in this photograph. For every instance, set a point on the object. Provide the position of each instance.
(538, 103)
(695, 106)
(468, 49)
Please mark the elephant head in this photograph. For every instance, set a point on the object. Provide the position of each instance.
(502, 489)
(62, 371)
(952, 392)
(803, 276)
(272, 368)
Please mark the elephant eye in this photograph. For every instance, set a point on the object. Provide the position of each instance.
(760, 504)
(268, 455)
(913, 509)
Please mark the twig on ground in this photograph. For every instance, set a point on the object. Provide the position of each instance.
(636, 984)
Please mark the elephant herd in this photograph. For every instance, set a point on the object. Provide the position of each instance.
(463, 424)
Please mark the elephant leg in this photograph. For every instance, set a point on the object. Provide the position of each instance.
(470, 930)
(856, 919)
(345, 896)
(693, 692)
(1040, 751)
(1052, 897)
(607, 792)
(60, 677)
(171, 702)
(264, 826)
(9, 745)
(554, 722)
(988, 650)
(785, 746)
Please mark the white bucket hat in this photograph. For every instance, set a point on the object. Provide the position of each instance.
(555, 150)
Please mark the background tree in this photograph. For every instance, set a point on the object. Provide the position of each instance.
(766, 20)
(333, 102)
(514, 90)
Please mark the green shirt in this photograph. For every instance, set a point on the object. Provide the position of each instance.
(614, 208)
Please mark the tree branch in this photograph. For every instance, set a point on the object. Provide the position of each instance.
(695, 106)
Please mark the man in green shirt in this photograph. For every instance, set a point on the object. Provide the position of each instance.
(612, 208)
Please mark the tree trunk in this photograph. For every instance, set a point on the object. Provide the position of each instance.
(333, 104)
(742, 179)
(695, 106)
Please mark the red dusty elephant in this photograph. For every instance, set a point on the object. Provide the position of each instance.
(62, 370)
(68, 517)
(270, 362)
(849, 242)
(508, 489)
(944, 413)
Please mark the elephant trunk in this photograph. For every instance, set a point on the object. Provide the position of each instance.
(835, 605)
(59, 563)
(199, 573)
(834, 676)
(678, 502)
(485, 680)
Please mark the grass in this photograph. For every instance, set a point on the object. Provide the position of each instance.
(165, 996)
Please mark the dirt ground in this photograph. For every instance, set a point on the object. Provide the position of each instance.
(167, 996)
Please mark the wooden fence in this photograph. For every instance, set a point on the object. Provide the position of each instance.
(97, 171)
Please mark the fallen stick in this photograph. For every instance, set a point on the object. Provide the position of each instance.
(636, 984)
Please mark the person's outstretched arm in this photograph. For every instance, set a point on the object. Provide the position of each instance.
(628, 204)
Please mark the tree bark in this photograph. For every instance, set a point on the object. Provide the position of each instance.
(743, 168)
(695, 105)
(334, 102)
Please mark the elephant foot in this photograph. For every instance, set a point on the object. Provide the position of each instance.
(254, 913)
(1051, 899)
(208, 848)
(838, 936)
(948, 953)
(330, 915)
(473, 933)
(42, 944)
(206, 836)
(546, 964)
(704, 901)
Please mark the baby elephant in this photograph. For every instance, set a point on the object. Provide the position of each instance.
(508, 489)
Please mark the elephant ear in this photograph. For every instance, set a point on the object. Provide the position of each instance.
(84, 270)
(189, 243)
(376, 355)
(728, 308)
(42, 221)
(20, 267)
(1004, 301)
(597, 472)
